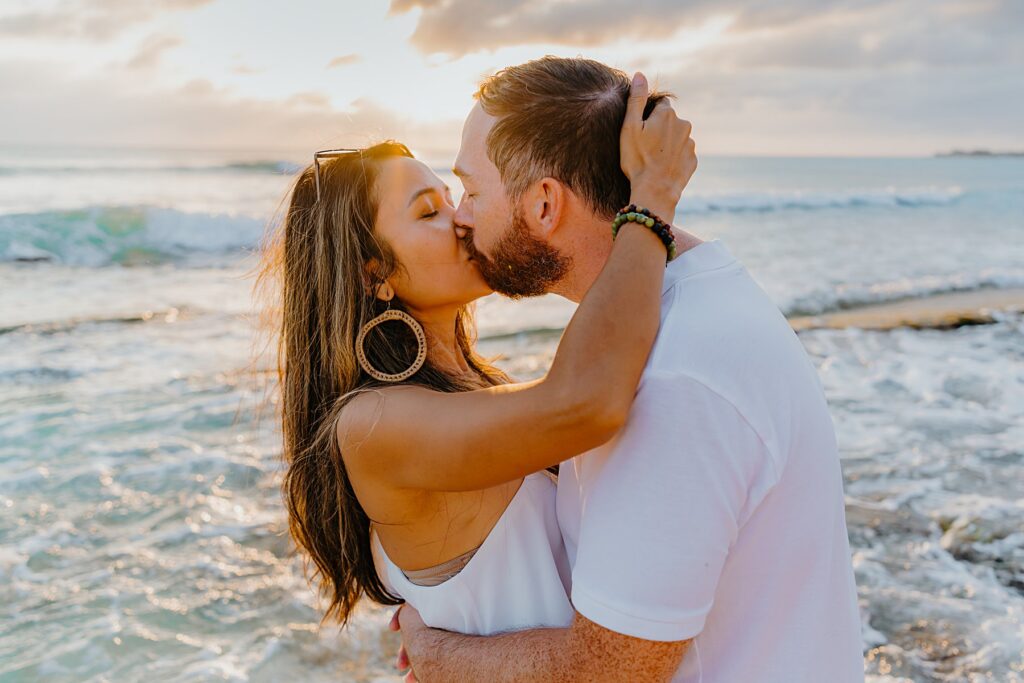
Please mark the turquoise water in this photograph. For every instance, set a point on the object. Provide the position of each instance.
(141, 532)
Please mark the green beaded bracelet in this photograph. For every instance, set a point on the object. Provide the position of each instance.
(642, 216)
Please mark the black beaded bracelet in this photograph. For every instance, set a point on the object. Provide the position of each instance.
(642, 216)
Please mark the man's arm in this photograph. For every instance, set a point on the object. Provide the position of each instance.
(583, 652)
(674, 489)
(659, 521)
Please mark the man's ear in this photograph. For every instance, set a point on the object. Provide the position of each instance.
(545, 204)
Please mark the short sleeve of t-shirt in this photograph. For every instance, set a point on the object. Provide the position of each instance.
(661, 508)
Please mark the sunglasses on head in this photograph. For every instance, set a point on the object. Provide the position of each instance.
(328, 154)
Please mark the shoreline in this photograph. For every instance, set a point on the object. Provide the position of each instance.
(944, 311)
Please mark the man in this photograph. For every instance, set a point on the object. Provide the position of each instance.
(708, 538)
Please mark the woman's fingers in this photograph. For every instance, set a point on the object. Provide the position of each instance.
(656, 153)
(638, 91)
(685, 128)
(661, 109)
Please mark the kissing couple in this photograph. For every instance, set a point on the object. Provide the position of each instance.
(664, 504)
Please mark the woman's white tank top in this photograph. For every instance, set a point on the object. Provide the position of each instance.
(518, 578)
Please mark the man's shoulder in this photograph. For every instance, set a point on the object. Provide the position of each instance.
(726, 341)
(672, 386)
(711, 322)
(725, 289)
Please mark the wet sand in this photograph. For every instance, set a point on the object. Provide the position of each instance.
(941, 311)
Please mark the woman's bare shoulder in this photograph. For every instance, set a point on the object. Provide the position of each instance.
(358, 419)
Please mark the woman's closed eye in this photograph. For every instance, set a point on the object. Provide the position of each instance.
(428, 208)
(432, 201)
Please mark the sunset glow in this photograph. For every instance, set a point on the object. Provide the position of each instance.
(913, 77)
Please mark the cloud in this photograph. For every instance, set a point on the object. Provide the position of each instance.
(91, 20)
(120, 109)
(795, 77)
(343, 60)
(152, 50)
(894, 36)
(458, 27)
(779, 108)
(869, 32)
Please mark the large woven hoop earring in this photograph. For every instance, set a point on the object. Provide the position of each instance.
(421, 341)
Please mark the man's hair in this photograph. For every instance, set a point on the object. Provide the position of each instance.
(560, 117)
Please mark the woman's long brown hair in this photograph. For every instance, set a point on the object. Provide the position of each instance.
(322, 263)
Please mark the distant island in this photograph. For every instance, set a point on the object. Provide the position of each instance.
(978, 153)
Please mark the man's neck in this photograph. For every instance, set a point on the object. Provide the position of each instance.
(590, 246)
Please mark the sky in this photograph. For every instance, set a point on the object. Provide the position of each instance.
(789, 77)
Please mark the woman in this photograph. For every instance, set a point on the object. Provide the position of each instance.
(415, 469)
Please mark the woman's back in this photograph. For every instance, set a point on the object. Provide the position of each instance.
(518, 578)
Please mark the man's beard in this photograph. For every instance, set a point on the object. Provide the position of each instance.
(522, 265)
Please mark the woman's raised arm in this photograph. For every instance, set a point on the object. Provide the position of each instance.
(414, 438)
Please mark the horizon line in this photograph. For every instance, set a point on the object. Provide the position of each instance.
(291, 152)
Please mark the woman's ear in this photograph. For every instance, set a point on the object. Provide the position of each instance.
(545, 205)
(385, 292)
(371, 281)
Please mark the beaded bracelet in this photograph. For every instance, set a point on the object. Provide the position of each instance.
(642, 216)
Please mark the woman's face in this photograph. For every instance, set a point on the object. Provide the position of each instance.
(415, 217)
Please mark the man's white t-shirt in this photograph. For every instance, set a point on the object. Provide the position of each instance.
(717, 512)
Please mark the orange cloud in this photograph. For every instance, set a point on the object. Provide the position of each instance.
(95, 21)
(343, 60)
(152, 50)
(114, 110)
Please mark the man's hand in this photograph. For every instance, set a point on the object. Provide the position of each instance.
(581, 653)
(657, 154)
(407, 620)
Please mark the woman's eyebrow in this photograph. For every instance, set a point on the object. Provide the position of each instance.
(419, 193)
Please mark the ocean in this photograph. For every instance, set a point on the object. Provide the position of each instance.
(142, 535)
